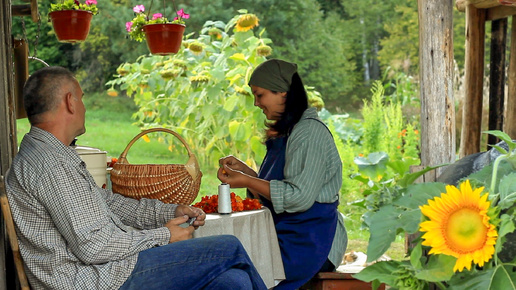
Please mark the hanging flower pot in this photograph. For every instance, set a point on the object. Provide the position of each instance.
(71, 19)
(164, 39)
(71, 26)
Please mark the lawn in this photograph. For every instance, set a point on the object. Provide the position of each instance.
(109, 127)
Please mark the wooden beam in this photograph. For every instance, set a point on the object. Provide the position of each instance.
(474, 73)
(510, 107)
(500, 12)
(436, 78)
(483, 3)
(27, 10)
(497, 77)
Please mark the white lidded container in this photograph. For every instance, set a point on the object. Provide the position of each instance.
(96, 163)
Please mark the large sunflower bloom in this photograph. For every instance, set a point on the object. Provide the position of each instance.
(459, 226)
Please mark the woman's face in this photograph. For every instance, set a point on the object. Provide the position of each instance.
(271, 103)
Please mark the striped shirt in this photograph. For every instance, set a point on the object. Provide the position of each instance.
(313, 172)
(73, 234)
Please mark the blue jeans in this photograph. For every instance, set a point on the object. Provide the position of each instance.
(216, 262)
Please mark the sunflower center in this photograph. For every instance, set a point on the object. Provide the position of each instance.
(465, 232)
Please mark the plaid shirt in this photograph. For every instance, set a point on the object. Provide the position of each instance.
(73, 234)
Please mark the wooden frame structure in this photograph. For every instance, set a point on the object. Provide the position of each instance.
(502, 111)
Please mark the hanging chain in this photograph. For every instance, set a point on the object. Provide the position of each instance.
(24, 30)
(36, 41)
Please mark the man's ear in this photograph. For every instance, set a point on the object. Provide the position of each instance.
(69, 101)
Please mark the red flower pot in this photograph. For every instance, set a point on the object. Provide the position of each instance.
(164, 39)
(71, 26)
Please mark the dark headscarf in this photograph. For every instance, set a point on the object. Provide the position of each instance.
(274, 75)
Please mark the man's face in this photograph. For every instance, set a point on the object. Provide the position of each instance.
(80, 108)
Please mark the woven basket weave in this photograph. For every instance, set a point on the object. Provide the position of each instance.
(170, 183)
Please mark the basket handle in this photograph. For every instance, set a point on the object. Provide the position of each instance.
(192, 166)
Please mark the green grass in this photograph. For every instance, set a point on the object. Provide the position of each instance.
(109, 127)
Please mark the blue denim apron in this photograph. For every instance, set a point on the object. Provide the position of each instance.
(305, 238)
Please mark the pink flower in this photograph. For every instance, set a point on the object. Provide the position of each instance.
(139, 8)
(128, 26)
(156, 16)
(181, 13)
(90, 2)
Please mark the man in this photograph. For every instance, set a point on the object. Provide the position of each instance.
(75, 235)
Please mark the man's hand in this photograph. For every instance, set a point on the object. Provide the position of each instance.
(178, 233)
(190, 211)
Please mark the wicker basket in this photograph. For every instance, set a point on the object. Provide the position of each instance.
(170, 183)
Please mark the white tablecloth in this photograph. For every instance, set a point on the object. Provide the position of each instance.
(255, 230)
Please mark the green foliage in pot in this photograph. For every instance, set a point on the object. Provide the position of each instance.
(89, 5)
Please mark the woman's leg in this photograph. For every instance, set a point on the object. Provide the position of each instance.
(191, 264)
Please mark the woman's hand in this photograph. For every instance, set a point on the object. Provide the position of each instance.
(237, 164)
(235, 178)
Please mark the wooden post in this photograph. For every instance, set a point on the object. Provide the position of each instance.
(8, 144)
(510, 124)
(436, 76)
(497, 77)
(474, 73)
(21, 74)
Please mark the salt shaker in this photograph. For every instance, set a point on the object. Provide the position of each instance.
(224, 199)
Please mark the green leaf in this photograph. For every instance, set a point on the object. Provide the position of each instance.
(237, 131)
(497, 278)
(506, 226)
(439, 268)
(384, 224)
(419, 194)
(415, 256)
(504, 137)
(402, 167)
(231, 102)
(381, 271)
(408, 179)
(507, 190)
(410, 220)
(375, 164)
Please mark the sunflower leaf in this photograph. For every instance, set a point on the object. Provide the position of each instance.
(419, 194)
(439, 268)
(383, 227)
(500, 277)
(504, 137)
(507, 190)
(381, 271)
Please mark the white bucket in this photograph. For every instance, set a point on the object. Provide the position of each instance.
(96, 163)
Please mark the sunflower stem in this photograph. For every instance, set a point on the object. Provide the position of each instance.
(440, 285)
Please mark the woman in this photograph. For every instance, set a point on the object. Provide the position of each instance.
(300, 177)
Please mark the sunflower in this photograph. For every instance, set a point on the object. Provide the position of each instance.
(246, 22)
(459, 226)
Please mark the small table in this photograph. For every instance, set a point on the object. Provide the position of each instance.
(255, 230)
